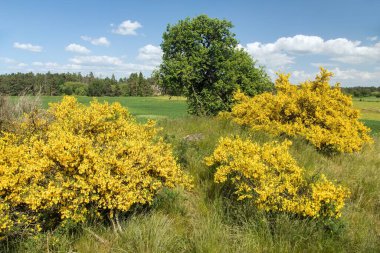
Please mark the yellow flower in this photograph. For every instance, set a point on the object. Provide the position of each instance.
(271, 178)
(75, 157)
(321, 114)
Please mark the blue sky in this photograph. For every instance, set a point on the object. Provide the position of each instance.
(121, 37)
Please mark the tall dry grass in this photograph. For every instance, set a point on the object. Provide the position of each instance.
(12, 109)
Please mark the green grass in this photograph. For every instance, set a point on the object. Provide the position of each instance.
(369, 112)
(369, 107)
(207, 220)
(164, 107)
(141, 107)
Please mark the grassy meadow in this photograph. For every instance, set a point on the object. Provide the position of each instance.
(140, 107)
(208, 219)
(369, 111)
(165, 107)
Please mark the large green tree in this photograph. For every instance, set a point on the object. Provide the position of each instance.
(202, 60)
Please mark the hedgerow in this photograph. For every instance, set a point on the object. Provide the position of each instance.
(75, 160)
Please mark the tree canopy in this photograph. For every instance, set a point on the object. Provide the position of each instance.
(202, 60)
(56, 84)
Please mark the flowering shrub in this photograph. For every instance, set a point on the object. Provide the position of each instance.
(271, 178)
(76, 159)
(321, 114)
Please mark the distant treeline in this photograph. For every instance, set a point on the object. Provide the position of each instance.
(55, 84)
(362, 91)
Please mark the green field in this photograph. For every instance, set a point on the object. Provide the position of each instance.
(208, 219)
(369, 112)
(175, 107)
(141, 107)
(370, 107)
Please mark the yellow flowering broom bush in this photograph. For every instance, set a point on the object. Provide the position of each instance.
(270, 177)
(321, 114)
(75, 159)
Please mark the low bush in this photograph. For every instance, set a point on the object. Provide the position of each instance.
(321, 114)
(75, 161)
(270, 177)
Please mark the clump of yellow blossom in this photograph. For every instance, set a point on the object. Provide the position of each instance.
(75, 159)
(321, 114)
(268, 176)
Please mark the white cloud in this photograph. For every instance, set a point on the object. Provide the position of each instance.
(102, 65)
(101, 41)
(45, 64)
(323, 64)
(347, 77)
(372, 38)
(282, 52)
(107, 65)
(12, 63)
(299, 44)
(356, 75)
(8, 60)
(122, 70)
(267, 55)
(127, 27)
(77, 49)
(96, 60)
(150, 54)
(27, 46)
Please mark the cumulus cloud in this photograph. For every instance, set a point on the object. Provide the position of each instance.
(121, 70)
(299, 44)
(347, 77)
(76, 48)
(127, 27)
(96, 60)
(12, 63)
(323, 64)
(356, 75)
(267, 55)
(101, 41)
(8, 60)
(27, 46)
(45, 64)
(150, 54)
(372, 38)
(106, 65)
(283, 51)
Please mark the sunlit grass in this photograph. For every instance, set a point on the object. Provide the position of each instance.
(208, 220)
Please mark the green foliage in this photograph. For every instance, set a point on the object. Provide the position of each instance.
(362, 91)
(96, 88)
(138, 86)
(201, 60)
(74, 88)
(76, 84)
